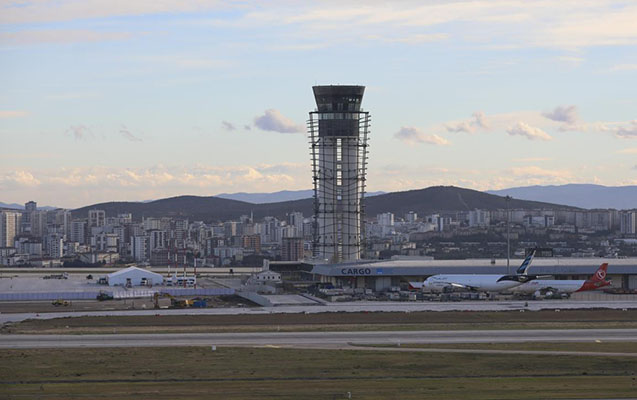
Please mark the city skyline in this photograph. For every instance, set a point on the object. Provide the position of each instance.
(149, 100)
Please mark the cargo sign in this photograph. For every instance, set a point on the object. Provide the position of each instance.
(356, 271)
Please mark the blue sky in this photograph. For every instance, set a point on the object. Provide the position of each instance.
(135, 100)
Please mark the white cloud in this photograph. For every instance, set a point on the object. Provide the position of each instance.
(566, 114)
(479, 121)
(504, 24)
(492, 122)
(627, 132)
(593, 24)
(12, 114)
(94, 184)
(273, 120)
(628, 151)
(18, 178)
(412, 135)
(531, 133)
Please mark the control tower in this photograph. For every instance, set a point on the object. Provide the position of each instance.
(338, 131)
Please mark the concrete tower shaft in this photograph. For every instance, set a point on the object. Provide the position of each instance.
(338, 132)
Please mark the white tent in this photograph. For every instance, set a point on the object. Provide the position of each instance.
(134, 276)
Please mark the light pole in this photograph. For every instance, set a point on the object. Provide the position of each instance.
(508, 199)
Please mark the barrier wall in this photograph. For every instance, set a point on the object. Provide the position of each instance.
(117, 294)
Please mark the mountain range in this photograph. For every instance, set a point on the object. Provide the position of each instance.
(16, 206)
(275, 197)
(423, 201)
(577, 195)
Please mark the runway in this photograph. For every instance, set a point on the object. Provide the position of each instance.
(360, 306)
(316, 339)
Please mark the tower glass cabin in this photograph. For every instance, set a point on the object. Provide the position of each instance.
(338, 132)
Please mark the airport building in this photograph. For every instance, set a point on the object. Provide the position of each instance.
(385, 274)
(338, 131)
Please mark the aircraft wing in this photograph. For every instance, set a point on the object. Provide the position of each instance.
(461, 286)
(522, 278)
(415, 285)
(533, 277)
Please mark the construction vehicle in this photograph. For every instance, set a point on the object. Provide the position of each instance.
(177, 303)
(60, 302)
(162, 300)
(104, 296)
(182, 303)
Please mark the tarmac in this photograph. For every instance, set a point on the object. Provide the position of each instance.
(361, 306)
(318, 339)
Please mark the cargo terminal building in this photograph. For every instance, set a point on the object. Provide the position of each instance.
(382, 275)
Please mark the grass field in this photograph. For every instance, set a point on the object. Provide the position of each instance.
(331, 322)
(610, 347)
(267, 373)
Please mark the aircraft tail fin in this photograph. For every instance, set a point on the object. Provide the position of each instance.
(525, 264)
(600, 274)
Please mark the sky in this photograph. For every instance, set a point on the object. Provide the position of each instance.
(146, 99)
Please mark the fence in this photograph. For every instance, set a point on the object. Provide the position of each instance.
(117, 294)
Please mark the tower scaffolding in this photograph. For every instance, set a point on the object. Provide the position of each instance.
(338, 131)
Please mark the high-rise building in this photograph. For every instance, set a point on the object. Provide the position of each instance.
(63, 219)
(79, 231)
(96, 218)
(479, 218)
(385, 219)
(139, 248)
(55, 245)
(338, 131)
(252, 242)
(9, 226)
(157, 239)
(411, 217)
(296, 219)
(292, 249)
(38, 223)
(30, 206)
(628, 222)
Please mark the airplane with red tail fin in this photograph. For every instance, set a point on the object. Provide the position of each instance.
(544, 286)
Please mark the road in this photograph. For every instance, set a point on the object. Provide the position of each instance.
(316, 339)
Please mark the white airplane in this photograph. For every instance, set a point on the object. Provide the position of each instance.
(552, 286)
(475, 282)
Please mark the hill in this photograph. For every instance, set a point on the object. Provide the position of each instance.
(275, 197)
(422, 201)
(578, 195)
(16, 206)
(446, 198)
